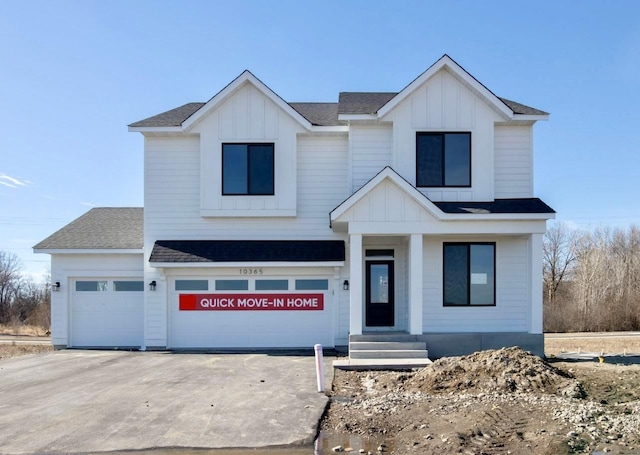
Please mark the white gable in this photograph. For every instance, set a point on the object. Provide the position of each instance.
(238, 84)
(447, 64)
(387, 202)
(387, 197)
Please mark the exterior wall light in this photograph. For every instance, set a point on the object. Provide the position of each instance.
(345, 285)
(55, 287)
(152, 285)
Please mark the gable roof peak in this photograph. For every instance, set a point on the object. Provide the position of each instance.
(460, 73)
(245, 77)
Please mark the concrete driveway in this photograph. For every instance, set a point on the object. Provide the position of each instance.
(87, 401)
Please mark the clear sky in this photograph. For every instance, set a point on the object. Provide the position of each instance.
(73, 74)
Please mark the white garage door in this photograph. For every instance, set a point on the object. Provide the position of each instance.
(107, 312)
(251, 313)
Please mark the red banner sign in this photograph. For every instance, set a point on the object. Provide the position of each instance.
(253, 302)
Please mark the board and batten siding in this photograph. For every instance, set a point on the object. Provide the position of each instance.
(248, 116)
(172, 206)
(444, 104)
(371, 151)
(513, 161)
(66, 267)
(513, 296)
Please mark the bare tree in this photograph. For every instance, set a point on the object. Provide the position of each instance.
(559, 253)
(10, 278)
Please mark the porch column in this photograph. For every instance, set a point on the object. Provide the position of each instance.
(535, 253)
(415, 284)
(355, 285)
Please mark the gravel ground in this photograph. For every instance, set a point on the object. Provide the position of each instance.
(14, 350)
(493, 402)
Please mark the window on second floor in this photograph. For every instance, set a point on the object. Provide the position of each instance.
(443, 159)
(247, 169)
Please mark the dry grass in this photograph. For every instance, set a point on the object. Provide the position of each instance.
(619, 345)
(15, 350)
(22, 330)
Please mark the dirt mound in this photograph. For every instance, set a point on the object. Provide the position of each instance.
(502, 370)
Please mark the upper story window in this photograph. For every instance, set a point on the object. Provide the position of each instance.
(443, 159)
(247, 169)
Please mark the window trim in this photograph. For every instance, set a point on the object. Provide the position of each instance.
(468, 245)
(443, 134)
(273, 165)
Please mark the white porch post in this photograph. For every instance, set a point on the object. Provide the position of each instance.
(355, 285)
(535, 254)
(415, 284)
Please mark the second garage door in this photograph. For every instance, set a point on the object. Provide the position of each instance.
(107, 312)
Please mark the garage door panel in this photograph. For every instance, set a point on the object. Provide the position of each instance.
(102, 317)
(248, 328)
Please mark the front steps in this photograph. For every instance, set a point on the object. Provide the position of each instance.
(384, 350)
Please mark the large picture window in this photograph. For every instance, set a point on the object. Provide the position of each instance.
(469, 274)
(443, 159)
(247, 169)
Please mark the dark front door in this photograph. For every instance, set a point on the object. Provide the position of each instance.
(379, 295)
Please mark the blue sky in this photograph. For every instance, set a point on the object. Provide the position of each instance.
(73, 74)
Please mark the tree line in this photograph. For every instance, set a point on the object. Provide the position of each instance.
(591, 279)
(22, 300)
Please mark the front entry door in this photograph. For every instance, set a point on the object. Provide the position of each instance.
(379, 294)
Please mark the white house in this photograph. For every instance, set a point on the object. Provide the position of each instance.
(404, 216)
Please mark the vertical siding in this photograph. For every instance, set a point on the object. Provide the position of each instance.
(248, 116)
(371, 152)
(443, 103)
(513, 161)
(511, 313)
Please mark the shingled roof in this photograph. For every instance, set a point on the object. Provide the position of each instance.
(118, 228)
(318, 114)
(173, 117)
(184, 251)
(504, 206)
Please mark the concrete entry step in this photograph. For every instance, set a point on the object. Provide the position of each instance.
(380, 364)
(389, 354)
(384, 336)
(385, 350)
(387, 345)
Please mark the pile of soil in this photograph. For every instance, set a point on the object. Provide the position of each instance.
(503, 370)
(491, 402)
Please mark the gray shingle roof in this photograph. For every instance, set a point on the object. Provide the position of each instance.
(100, 228)
(173, 117)
(518, 108)
(320, 114)
(247, 251)
(363, 102)
(522, 205)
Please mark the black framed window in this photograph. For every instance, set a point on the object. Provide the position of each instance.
(469, 274)
(443, 159)
(247, 169)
